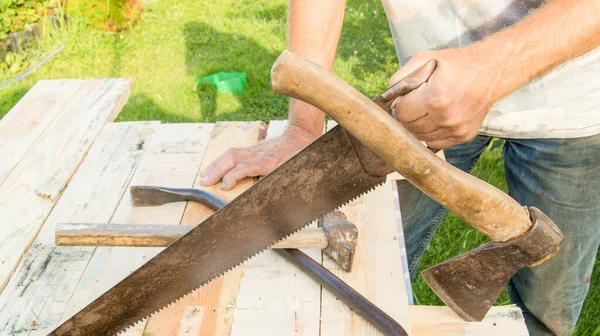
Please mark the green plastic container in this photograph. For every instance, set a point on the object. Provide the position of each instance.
(230, 82)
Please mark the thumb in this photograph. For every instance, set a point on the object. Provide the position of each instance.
(411, 66)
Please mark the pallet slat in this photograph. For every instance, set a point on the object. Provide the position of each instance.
(377, 271)
(38, 293)
(275, 297)
(172, 158)
(30, 191)
(20, 128)
(209, 310)
(442, 321)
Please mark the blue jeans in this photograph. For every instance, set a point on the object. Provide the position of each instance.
(561, 177)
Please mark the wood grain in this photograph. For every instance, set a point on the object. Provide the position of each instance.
(275, 297)
(30, 191)
(217, 299)
(172, 158)
(377, 272)
(37, 294)
(20, 128)
(485, 207)
(442, 321)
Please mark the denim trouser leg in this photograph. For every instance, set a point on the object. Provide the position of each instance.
(421, 215)
(560, 177)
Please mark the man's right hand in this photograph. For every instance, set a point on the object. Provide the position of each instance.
(257, 160)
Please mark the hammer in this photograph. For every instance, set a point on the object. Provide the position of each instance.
(338, 234)
(520, 236)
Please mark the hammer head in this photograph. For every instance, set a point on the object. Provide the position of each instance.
(470, 283)
(341, 236)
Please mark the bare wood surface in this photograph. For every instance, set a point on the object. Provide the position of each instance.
(20, 128)
(36, 296)
(442, 321)
(157, 235)
(209, 310)
(275, 297)
(485, 207)
(30, 191)
(172, 157)
(377, 272)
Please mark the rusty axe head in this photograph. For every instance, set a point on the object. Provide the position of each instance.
(470, 283)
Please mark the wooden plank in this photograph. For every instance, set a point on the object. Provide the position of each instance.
(36, 295)
(275, 297)
(29, 192)
(442, 321)
(21, 127)
(173, 158)
(209, 310)
(377, 272)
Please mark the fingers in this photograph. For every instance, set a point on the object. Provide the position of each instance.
(224, 163)
(443, 144)
(412, 106)
(252, 167)
(438, 134)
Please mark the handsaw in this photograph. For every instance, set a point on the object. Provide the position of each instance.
(332, 171)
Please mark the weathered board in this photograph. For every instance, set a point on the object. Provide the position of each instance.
(29, 192)
(43, 284)
(442, 321)
(275, 297)
(172, 158)
(209, 310)
(377, 272)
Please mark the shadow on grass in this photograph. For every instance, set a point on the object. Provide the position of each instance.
(209, 51)
(142, 107)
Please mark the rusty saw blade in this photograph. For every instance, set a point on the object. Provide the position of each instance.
(330, 172)
(322, 177)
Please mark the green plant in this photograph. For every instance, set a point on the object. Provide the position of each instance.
(13, 63)
(109, 15)
(16, 15)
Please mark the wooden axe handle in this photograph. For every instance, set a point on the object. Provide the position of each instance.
(487, 208)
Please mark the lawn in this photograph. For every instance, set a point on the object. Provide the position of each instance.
(178, 41)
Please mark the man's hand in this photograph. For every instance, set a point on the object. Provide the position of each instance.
(257, 160)
(449, 109)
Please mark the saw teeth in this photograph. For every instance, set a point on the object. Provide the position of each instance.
(130, 326)
(121, 332)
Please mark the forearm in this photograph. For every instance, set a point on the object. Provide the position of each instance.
(548, 37)
(314, 29)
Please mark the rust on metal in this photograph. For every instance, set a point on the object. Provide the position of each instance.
(341, 236)
(471, 282)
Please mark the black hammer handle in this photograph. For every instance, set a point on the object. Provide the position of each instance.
(324, 277)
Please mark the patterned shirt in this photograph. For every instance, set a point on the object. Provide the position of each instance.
(564, 103)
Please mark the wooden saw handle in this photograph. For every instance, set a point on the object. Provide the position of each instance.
(487, 208)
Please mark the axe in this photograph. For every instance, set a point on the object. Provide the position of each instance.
(520, 236)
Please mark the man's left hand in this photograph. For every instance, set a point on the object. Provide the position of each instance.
(449, 109)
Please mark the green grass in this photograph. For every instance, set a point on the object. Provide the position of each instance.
(178, 41)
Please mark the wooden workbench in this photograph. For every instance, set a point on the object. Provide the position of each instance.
(62, 159)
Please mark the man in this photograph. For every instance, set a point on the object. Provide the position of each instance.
(524, 71)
